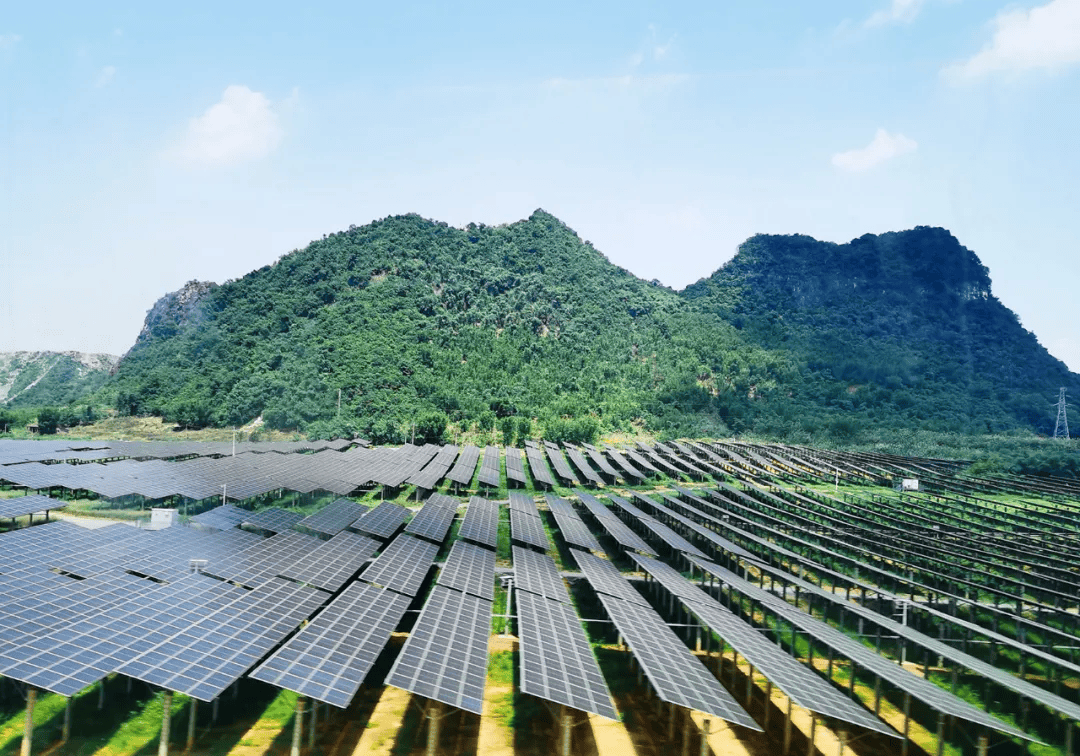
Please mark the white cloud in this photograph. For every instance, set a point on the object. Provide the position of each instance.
(883, 147)
(899, 12)
(106, 75)
(8, 40)
(1044, 37)
(242, 126)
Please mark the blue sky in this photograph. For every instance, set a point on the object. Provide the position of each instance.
(142, 146)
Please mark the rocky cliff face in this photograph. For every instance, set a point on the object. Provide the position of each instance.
(174, 311)
(40, 378)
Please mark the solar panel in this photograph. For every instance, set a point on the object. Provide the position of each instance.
(523, 503)
(538, 574)
(470, 569)
(528, 529)
(586, 470)
(382, 521)
(615, 527)
(561, 468)
(445, 657)
(463, 471)
(924, 690)
(403, 566)
(677, 676)
(481, 523)
(329, 659)
(204, 659)
(557, 663)
(331, 564)
(605, 577)
(224, 517)
(661, 531)
(274, 520)
(334, 517)
(541, 474)
(489, 467)
(515, 466)
(572, 528)
(435, 517)
(24, 505)
(804, 687)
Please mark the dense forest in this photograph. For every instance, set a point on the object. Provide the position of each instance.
(413, 325)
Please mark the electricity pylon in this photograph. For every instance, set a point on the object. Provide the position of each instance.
(1061, 427)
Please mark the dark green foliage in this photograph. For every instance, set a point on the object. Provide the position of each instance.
(421, 326)
(51, 378)
(48, 420)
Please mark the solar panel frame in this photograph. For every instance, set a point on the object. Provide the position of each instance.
(537, 573)
(556, 661)
(330, 657)
(274, 520)
(605, 577)
(20, 506)
(481, 522)
(528, 529)
(573, 530)
(403, 565)
(445, 657)
(469, 569)
(334, 517)
(381, 521)
(331, 564)
(434, 519)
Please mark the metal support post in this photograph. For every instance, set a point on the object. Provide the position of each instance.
(166, 717)
(843, 736)
(28, 724)
(314, 721)
(768, 702)
(101, 695)
(671, 722)
(214, 712)
(940, 734)
(983, 746)
(298, 727)
(688, 726)
(65, 734)
(566, 729)
(813, 733)
(434, 719)
(907, 724)
(787, 729)
(703, 750)
(191, 723)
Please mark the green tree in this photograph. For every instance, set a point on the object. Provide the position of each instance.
(48, 420)
(507, 426)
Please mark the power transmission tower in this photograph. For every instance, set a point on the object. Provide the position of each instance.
(1061, 427)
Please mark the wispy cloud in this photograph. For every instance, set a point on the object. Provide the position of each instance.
(106, 76)
(882, 148)
(636, 83)
(1045, 37)
(243, 126)
(8, 40)
(898, 12)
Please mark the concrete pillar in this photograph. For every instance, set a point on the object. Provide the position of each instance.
(703, 748)
(983, 746)
(101, 695)
(166, 716)
(214, 712)
(843, 736)
(940, 734)
(28, 726)
(671, 722)
(813, 733)
(688, 727)
(1068, 738)
(298, 727)
(768, 702)
(192, 714)
(314, 721)
(907, 724)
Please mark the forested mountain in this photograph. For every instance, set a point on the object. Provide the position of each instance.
(33, 379)
(412, 320)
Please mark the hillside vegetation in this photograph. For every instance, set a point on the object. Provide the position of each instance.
(34, 379)
(528, 329)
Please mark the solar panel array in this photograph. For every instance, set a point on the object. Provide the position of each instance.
(203, 659)
(222, 518)
(403, 566)
(382, 521)
(274, 520)
(583, 466)
(462, 472)
(515, 466)
(469, 569)
(445, 657)
(434, 518)
(24, 505)
(489, 467)
(264, 559)
(676, 675)
(481, 522)
(557, 663)
(938, 698)
(329, 659)
(804, 687)
(558, 462)
(573, 530)
(540, 472)
(614, 527)
(672, 539)
(334, 517)
(605, 577)
(429, 477)
(332, 563)
(537, 573)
